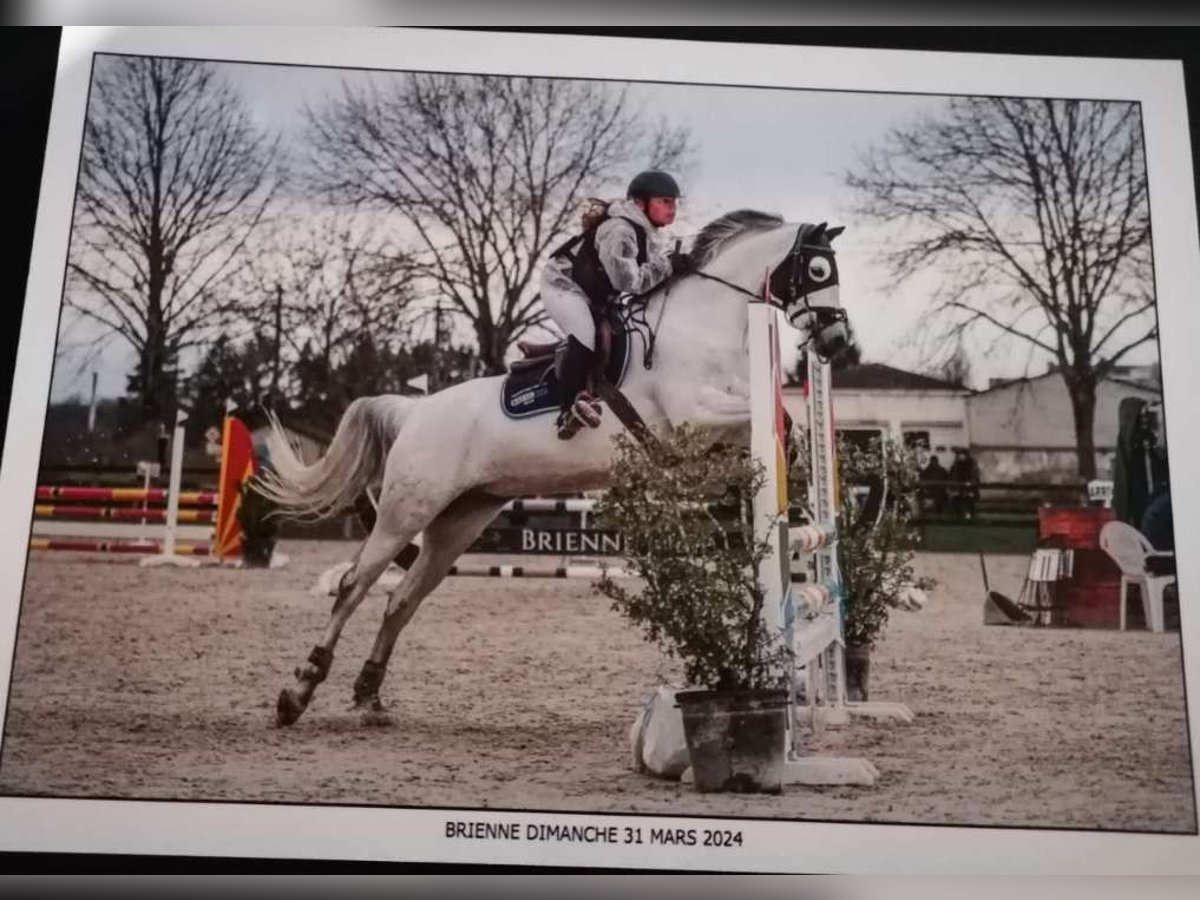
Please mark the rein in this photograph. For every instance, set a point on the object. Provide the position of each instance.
(633, 319)
(637, 304)
(635, 324)
(793, 257)
(729, 284)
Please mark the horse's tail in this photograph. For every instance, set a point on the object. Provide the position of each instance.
(354, 460)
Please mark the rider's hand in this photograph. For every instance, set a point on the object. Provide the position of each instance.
(682, 263)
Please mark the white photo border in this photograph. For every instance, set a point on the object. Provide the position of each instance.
(417, 835)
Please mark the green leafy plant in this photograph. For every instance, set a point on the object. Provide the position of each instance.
(877, 538)
(681, 507)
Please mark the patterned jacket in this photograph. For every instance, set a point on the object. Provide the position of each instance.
(617, 249)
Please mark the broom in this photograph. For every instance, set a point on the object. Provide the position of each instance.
(998, 609)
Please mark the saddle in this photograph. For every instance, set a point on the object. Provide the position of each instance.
(531, 386)
(544, 353)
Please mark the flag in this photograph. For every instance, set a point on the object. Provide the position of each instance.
(421, 383)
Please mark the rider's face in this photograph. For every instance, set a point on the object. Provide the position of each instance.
(660, 210)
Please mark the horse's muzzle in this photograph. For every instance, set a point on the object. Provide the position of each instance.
(824, 328)
(831, 340)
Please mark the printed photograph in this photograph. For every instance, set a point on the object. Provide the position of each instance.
(490, 442)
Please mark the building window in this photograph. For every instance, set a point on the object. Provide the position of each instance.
(859, 438)
(916, 439)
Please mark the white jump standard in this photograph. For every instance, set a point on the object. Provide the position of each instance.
(169, 557)
(144, 529)
(809, 615)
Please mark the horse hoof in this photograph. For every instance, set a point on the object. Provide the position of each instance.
(378, 719)
(288, 708)
(375, 716)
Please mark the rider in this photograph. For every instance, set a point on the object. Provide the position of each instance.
(630, 258)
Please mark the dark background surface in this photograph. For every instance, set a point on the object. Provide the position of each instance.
(28, 57)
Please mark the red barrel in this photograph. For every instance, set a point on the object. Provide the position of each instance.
(1078, 526)
(1091, 597)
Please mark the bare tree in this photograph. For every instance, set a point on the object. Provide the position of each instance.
(1037, 213)
(488, 172)
(957, 368)
(321, 286)
(174, 177)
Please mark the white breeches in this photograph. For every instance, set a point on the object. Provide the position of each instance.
(570, 311)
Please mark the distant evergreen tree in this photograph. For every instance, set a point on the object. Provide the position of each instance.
(152, 388)
(227, 371)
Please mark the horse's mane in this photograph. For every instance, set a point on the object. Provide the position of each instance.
(713, 236)
(716, 234)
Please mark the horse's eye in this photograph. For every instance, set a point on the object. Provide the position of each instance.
(819, 268)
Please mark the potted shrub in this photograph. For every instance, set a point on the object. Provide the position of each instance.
(876, 542)
(256, 515)
(680, 507)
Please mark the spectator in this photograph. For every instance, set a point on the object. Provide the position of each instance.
(934, 491)
(1158, 528)
(1157, 523)
(965, 492)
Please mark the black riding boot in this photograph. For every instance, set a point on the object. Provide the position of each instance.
(576, 407)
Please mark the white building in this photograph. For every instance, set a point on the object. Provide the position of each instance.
(1026, 428)
(873, 399)
(1016, 430)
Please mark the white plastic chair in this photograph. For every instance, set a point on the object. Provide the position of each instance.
(1129, 549)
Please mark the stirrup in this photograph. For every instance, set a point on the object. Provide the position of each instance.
(584, 412)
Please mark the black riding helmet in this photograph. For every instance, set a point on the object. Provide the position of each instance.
(652, 183)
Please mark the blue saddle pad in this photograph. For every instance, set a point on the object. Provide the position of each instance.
(534, 391)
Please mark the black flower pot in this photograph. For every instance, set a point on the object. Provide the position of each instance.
(736, 739)
(858, 672)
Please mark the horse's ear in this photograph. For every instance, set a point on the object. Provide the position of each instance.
(834, 232)
(818, 231)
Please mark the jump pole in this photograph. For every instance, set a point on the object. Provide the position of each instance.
(785, 610)
(169, 557)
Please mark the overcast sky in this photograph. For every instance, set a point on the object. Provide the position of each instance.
(781, 151)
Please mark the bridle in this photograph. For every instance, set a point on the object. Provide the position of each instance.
(785, 278)
(788, 274)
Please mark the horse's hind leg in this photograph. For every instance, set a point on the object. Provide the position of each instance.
(445, 539)
(370, 563)
(365, 510)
